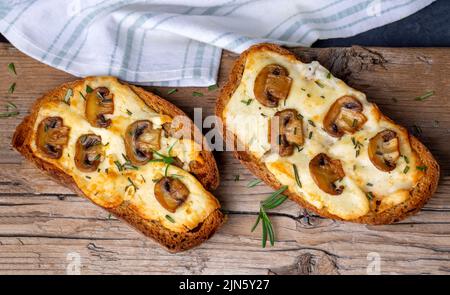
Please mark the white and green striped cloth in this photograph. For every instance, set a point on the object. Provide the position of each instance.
(178, 42)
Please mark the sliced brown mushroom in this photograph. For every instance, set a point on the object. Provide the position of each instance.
(140, 141)
(325, 171)
(384, 150)
(52, 136)
(272, 85)
(290, 131)
(88, 152)
(99, 103)
(344, 116)
(171, 193)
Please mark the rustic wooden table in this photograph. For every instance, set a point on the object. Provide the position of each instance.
(41, 222)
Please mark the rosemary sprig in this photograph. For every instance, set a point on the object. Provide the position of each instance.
(273, 201)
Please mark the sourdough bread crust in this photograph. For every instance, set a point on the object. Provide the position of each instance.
(419, 195)
(171, 240)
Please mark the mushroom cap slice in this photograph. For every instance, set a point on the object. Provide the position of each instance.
(140, 141)
(344, 116)
(290, 129)
(88, 152)
(325, 171)
(99, 103)
(171, 193)
(51, 136)
(384, 150)
(272, 84)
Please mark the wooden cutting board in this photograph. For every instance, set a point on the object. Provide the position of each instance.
(41, 221)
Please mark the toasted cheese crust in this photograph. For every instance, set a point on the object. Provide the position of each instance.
(128, 193)
(367, 190)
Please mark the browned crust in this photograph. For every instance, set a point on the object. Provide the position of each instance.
(173, 241)
(420, 194)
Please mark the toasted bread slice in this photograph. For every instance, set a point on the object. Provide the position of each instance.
(358, 191)
(111, 179)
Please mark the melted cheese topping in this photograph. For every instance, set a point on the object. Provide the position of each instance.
(109, 187)
(312, 93)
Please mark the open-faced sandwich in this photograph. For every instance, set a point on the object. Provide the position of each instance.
(130, 152)
(294, 124)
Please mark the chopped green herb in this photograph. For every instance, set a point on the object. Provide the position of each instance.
(195, 93)
(417, 130)
(12, 88)
(310, 135)
(425, 96)
(311, 123)
(131, 184)
(319, 84)
(67, 97)
(143, 179)
(299, 148)
(303, 89)
(236, 177)
(406, 159)
(171, 91)
(119, 166)
(88, 177)
(354, 122)
(369, 196)
(422, 168)
(82, 95)
(308, 95)
(109, 216)
(11, 111)
(329, 75)
(247, 102)
(297, 177)
(264, 115)
(322, 96)
(170, 218)
(254, 182)
(129, 112)
(12, 68)
(212, 87)
(369, 184)
(106, 170)
(89, 89)
(406, 170)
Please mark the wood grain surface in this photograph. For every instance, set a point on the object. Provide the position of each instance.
(42, 222)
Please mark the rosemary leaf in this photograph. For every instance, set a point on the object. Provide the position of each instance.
(297, 177)
(12, 68)
(254, 182)
(212, 87)
(425, 96)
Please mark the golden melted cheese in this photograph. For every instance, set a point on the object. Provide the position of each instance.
(109, 187)
(312, 93)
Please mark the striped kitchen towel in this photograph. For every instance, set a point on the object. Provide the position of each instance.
(178, 42)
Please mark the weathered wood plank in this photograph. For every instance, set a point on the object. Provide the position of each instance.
(37, 234)
(40, 221)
